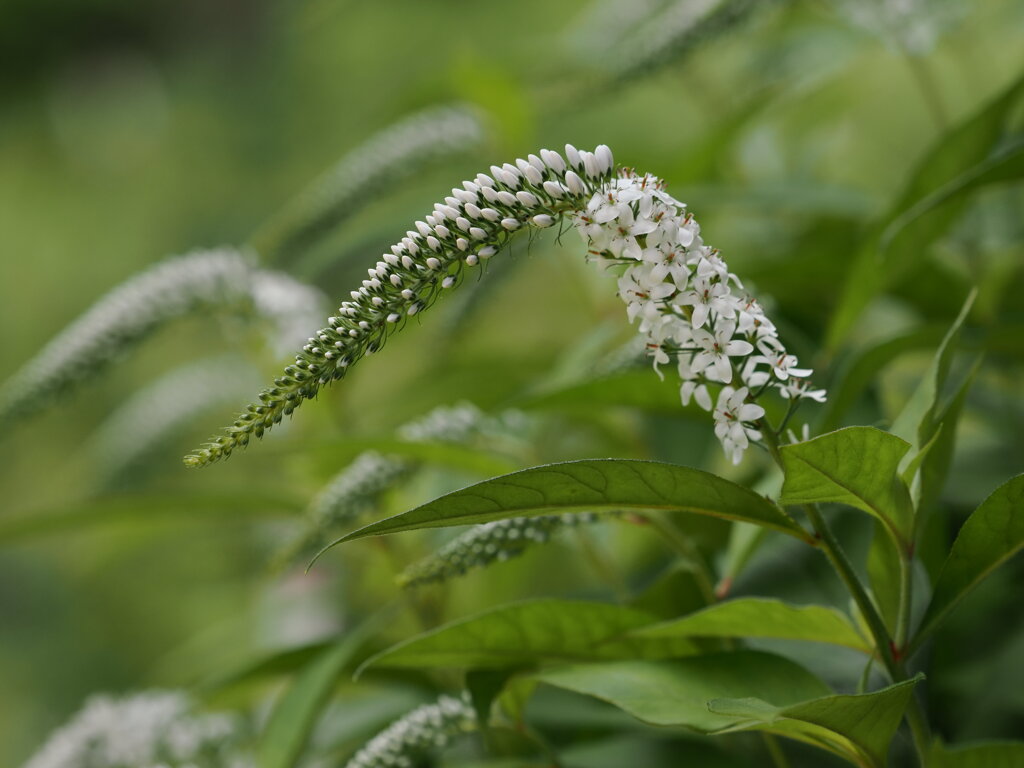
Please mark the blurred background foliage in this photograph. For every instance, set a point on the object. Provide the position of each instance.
(129, 132)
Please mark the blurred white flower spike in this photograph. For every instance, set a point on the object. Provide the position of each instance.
(691, 309)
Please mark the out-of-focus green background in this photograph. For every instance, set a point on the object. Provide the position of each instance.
(132, 131)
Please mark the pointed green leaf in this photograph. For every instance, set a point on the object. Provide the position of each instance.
(916, 423)
(954, 156)
(530, 632)
(884, 574)
(763, 617)
(858, 726)
(992, 534)
(589, 486)
(993, 754)
(676, 692)
(857, 466)
(296, 712)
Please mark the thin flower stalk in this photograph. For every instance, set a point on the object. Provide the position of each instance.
(467, 228)
(425, 729)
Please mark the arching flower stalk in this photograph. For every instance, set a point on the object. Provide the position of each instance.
(426, 728)
(151, 729)
(489, 543)
(219, 280)
(692, 310)
(470, 226)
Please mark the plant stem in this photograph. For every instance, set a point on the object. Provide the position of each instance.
(906, 601)
(887, 650)
(775, 750)
(684, 546)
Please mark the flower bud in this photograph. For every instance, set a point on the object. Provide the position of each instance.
(553, 160)
(573, 156)
(554, 189)
(510, 224)
(575, 183)
(527, 198)
(542, 220)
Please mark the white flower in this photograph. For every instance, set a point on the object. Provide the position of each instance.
(715, 350)
(730, 414)
(709, 295)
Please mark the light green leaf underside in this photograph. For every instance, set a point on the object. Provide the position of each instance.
(762, 617)
(676, 692)
(590, 485)
(992, 534)
(859, 727)
(531, 632)
(857, 466)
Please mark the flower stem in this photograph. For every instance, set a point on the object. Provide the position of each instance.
(886, 648)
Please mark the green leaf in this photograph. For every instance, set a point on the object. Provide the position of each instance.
(857, 466)
(858, 726)
(993, 754)
(862, 367)
(763, 617)
(590, 485)
(676, 692)
(529, 632)
(958, 151)
(992, 534)
(916, 423)
(280, 662)
(284, 737)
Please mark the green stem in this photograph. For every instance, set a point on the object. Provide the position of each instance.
(884, 645)
(685, 547)
(906, 601)
(775, 750)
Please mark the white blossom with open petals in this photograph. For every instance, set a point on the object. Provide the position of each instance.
(689, 307)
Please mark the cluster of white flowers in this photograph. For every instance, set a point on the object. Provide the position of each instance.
(153, 729)
(404, 742)
(488, 543)
(470, 226)
(692, 311)
(216, 280)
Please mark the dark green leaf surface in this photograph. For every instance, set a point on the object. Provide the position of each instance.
(992, 534)
(531, 632)
(763, 617)
(590, 486)
(857, 466)
(994, 754)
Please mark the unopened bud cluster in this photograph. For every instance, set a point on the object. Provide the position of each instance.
(489, 543)
(468, 227)
(405, 742)
(152, 729)
(356, 490)
(692, 311)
